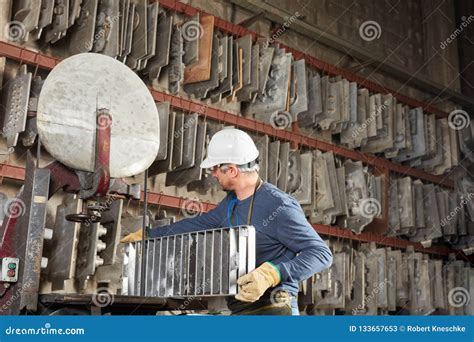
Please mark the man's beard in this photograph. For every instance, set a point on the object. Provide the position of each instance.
(219, 184)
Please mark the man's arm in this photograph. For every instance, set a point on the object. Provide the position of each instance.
(295, 232)
(214, 218)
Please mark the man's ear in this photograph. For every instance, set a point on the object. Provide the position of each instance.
(234, 171)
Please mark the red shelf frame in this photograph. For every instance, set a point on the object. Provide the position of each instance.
(16, 173)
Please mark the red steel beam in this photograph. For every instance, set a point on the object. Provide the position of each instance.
(12, 172)
(177, 202)
(386, 241)
(310, 60)
(24, 55)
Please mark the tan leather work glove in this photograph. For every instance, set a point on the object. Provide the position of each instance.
(254, 284)
(132, 237)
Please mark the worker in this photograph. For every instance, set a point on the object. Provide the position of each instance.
(288, 250)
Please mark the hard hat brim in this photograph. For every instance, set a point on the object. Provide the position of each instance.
(206, 164)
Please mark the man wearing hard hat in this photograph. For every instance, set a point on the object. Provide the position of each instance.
(288, 250)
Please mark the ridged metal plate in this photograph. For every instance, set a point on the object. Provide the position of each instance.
(204, 263)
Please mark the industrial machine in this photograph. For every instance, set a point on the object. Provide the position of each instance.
(84, 120)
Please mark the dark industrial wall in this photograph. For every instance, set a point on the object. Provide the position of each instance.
(413, 36)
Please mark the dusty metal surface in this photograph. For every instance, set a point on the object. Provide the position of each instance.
(276, 92)
(163, 37)
(200, 89)
(175, 67)
(205, 263)
(17, 106)
(140, 34)
(193, 172)
(60, 22)
(45, 18)
(66, 114)
(191, 33)
(64, 242)
(201, 69)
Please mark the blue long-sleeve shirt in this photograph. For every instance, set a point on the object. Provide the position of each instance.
(283, 235)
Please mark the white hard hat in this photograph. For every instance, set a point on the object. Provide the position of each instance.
(230, 146)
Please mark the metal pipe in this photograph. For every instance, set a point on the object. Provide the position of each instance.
(144, 229)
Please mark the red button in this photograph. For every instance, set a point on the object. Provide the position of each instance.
(11, 273)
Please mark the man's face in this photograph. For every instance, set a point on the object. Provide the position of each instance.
(225, 175)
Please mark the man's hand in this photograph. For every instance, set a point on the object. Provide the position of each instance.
(254, 284)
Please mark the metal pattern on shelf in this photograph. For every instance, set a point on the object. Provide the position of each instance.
(298, 139)
(295, 137)
(161, 199)
(316, 63)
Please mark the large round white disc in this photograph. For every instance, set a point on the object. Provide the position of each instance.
(66, 116)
